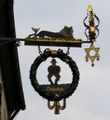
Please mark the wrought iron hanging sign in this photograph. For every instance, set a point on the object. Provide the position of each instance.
(55, 92)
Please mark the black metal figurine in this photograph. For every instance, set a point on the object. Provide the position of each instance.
(54, 70)
(66, 32)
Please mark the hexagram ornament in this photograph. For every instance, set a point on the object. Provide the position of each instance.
(90, 57)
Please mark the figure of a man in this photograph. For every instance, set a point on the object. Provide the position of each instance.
(54, 70)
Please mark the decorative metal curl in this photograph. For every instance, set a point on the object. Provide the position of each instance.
(56, 106)
(44, 92)
(91, 30)
(35, 30)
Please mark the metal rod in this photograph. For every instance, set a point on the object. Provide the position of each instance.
(8, 40)
(86, 41)
(4, 40)
(11, 39)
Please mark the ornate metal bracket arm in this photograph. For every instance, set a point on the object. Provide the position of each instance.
(55, 92)
(91, 30)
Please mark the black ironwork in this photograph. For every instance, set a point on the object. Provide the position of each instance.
(66, 32)
(54, 92)
(54, 70)
(91, 33)
(91, 30)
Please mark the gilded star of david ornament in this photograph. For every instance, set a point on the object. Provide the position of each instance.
(92, 57)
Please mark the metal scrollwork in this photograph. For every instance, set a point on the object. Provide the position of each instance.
(91, 30)
(91, 33)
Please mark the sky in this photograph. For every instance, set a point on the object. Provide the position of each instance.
(91, 100)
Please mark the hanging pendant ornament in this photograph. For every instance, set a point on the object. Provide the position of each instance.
(54, 92)
(91, 33)
(92, 53)
(57, 106)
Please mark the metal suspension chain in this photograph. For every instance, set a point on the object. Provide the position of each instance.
(39, 49)
(68, 51)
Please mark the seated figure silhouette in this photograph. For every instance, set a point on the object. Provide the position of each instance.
(53, 70)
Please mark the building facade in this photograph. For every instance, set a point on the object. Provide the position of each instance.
(11, 91)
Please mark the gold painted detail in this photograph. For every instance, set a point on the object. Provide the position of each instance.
(54, 53)
(57, 106)
(53, 42)
(94, 56)
(89, 9)
(91, 30)
(54, 89)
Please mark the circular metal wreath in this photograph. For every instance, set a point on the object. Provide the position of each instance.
(65, 58)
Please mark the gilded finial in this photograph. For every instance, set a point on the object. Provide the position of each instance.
(89, 9)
